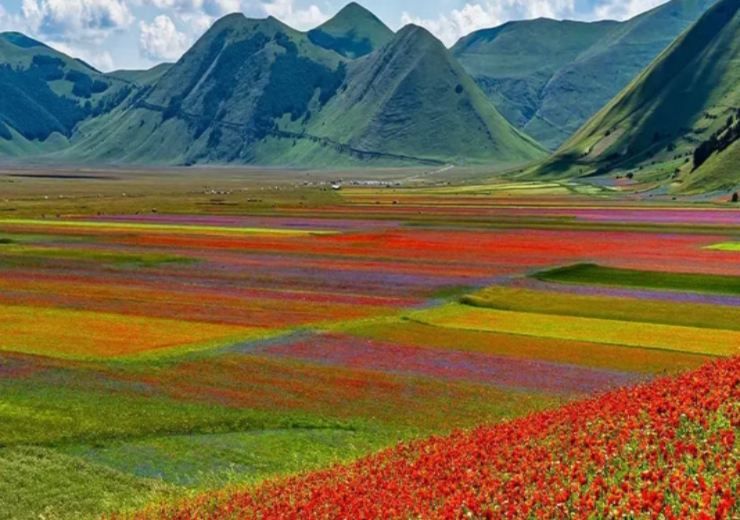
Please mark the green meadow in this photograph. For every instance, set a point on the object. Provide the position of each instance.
(602, 275)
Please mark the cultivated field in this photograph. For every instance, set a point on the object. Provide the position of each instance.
(167, 344)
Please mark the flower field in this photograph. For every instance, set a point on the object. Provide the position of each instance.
(47, 331)
(189, 360)
(668, 449)
(615, 332)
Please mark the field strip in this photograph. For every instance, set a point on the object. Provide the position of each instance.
(540, 348)
(701, 315)
(77, 334)
(714, 342)
(181, 228)
(725, 246)
(586, 273)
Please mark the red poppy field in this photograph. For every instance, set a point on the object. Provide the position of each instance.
(290, 351)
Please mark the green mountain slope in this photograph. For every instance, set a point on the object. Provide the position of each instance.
(549, 77)
(142, 77)
(44, 94)
(514, 62)
(412, 98)
(353, 32)
(259, 92)
(226, 97)
(686, 102)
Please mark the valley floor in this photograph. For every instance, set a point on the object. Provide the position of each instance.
(164, 336)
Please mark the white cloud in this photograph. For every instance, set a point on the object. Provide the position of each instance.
(474, 16)
(287, 12)
(197, 23)
(623, 9)
(212, 8)
(196, 16)
(161, 40)
(100, 59)
(78, 20)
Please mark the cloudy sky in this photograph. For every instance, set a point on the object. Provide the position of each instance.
(113, 34)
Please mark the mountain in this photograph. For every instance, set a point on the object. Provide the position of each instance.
(259, 92)
(224, 99)
(412, 98)
(354, 32)
(513, 63)
(45, 94)
(142, 77)
(679, 120)
(548, 77)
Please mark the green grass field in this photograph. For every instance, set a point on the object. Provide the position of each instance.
(602, 275)
(606, 307)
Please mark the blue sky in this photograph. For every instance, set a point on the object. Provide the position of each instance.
(114, 34)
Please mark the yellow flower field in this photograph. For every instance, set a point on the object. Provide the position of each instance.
(645, 335)
(87, 334)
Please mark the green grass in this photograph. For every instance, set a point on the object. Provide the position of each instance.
(81, 439)
(144, 227)
(213, 461)
(26, 255)
(726, 246)
(720, 172)
(607, 307)
(39, 483)
(32, 238)
(63, 407)
(601, 275)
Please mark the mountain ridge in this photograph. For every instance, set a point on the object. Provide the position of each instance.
(46, 94)
(553, 80)
(258, 92)
(689, 96)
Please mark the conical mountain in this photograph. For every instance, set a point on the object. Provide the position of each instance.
(412, 98)
(353, 32)
(44, 94)
(549, 77)
(687, 101)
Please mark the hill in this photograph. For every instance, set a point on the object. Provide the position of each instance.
(222, 101)
(548, 77)
(259, 92)
(45, 94)
(679, 120)
(354, 32)
(412, 98)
